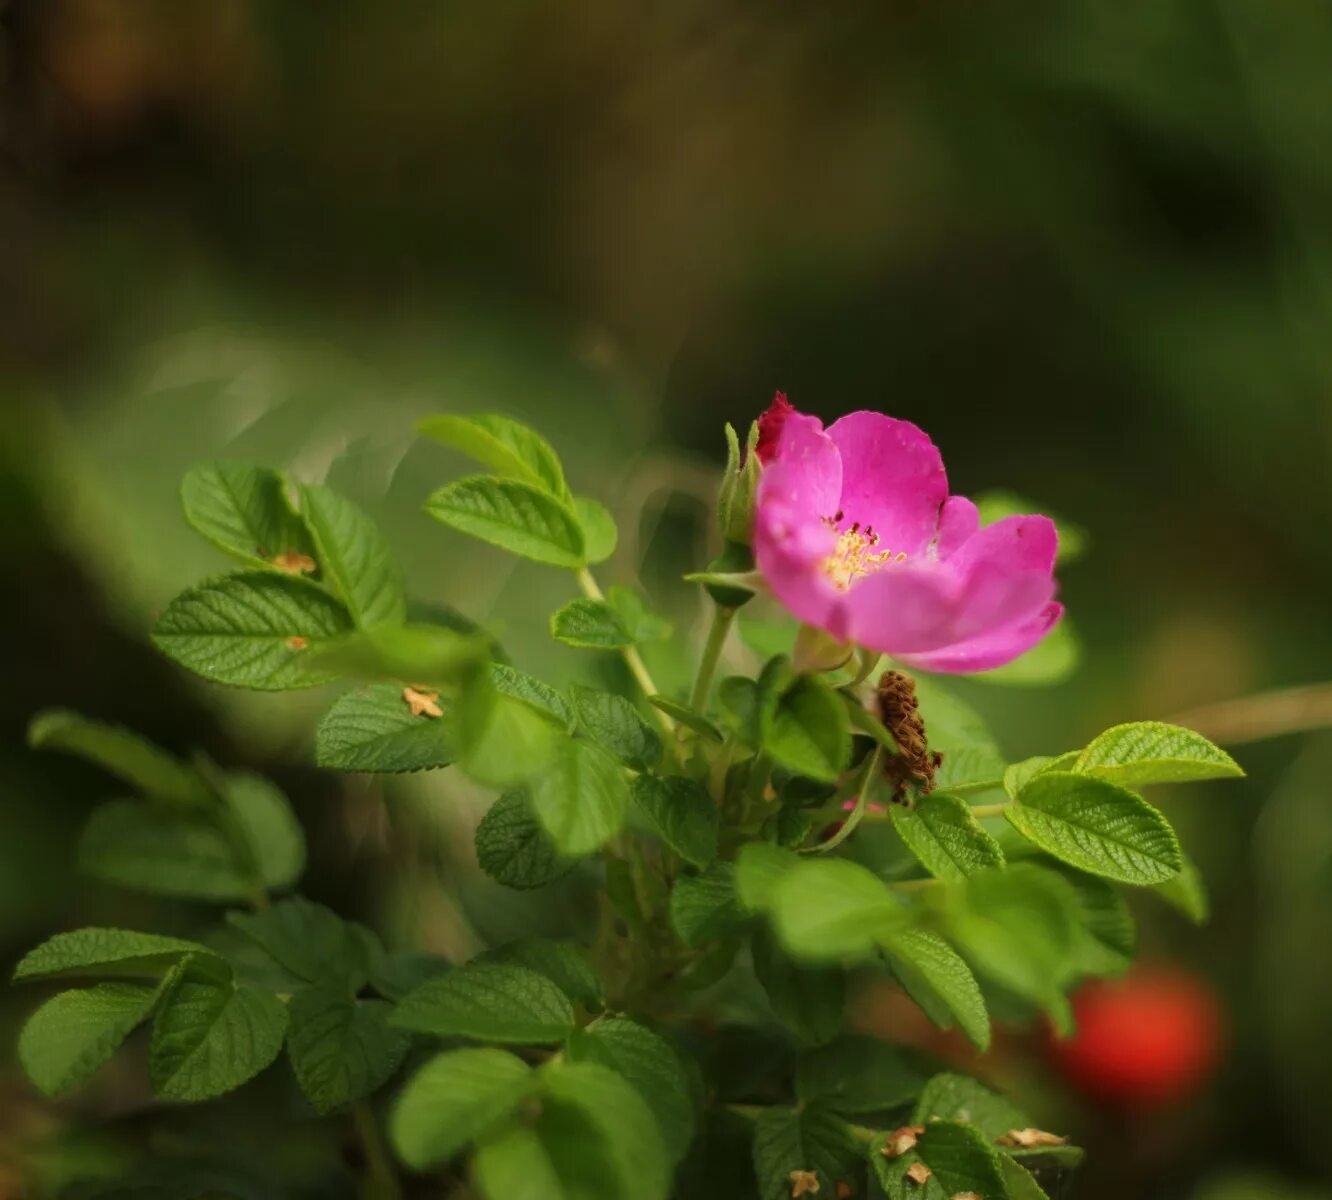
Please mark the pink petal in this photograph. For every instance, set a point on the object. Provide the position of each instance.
(904, 607)
(806, 472)
(990, 650)
(958, 521)
(1028, 543)
(892, 478)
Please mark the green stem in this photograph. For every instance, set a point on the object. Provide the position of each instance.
(381, 1180)
(867, 779)
(707, 666)
(632, 658)
(983, 785)
(988, 810)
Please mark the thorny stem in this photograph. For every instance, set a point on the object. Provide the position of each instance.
(707, 666)
(632, 658)
(381, 1180)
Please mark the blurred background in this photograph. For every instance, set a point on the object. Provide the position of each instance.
(1087, 244)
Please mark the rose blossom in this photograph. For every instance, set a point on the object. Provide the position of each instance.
(856, 534)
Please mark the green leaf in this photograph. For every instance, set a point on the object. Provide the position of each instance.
(513, 1165)
(309, 941)
(500, 739)
(165, 852)
(253, 630)
(704, 907)
(600, 1135)
(809, 1001)
(682, 814)
(453, 1100)
(614, 722)
(244, 511)
(341, 1048)
(857, 1074)
(372, 729)
(414, 653)
(599, 532)
(509, 681)
(507, 447)
(970, 753)
(1020, 1184)
(650, 1064)
(643, 624)
(961, 1160)
(1020, 774)
(590, 625)
(941, 832)
(951, 1097)
(94, 951)
(515, 516)
(1019, 927)
(150, 770)
(562, 962)
(738, 700)
(808, 731)
(75, 1032)
(807, 1139)
(758, 868)
(582, 799)
(831, 909)
(274, 843)
(683, 715)
(1110, 937)
(1186, 892)
(1154, 752)
(354, 559)
(937, 978)
(211, 1035)
(513, 847)
(1097, 827)
(498, 1002)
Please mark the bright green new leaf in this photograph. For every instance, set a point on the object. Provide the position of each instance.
(857, 1074)
(599, 533)
(94, 951)
(829, 909)
(353, 557)
(515, 516)
(1154, 752)
(513, 847)
(210, 1034)
(1109, 935)
(341, 1048)
(501, 739)
(681, 813)
(513, 1165)
(506, 446)
(941, 832)
(75, 1032)
(1097, 827)
(807, 731)
(809, 1001)
(252, 629)
(509, 681)
(582, 798)
(643, 624)
(454, 1099)
(937, 978)
(758, 868)
(244, 511)
(600, 1134)
(373, 729)
(704, 907)
(1187, 892)
(488, 1001)
(149, 769)
(650, 1064)
(590, 625)
(813, 1139)
(614, 722)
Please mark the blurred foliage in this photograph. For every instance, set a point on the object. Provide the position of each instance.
(1086, 244)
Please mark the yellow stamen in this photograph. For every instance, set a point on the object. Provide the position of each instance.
(857, 555)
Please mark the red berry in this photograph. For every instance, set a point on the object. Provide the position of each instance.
(1142, 1042)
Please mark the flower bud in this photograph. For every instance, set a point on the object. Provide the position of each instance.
(735, 505)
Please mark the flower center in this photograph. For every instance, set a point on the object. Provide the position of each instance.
(856, 554)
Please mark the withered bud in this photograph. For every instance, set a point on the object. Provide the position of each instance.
(914, 764)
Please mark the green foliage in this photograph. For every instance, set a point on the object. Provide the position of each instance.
(1097, 826)
(712, 876)
(488, 1001)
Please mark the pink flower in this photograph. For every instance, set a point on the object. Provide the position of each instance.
(856, 534)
